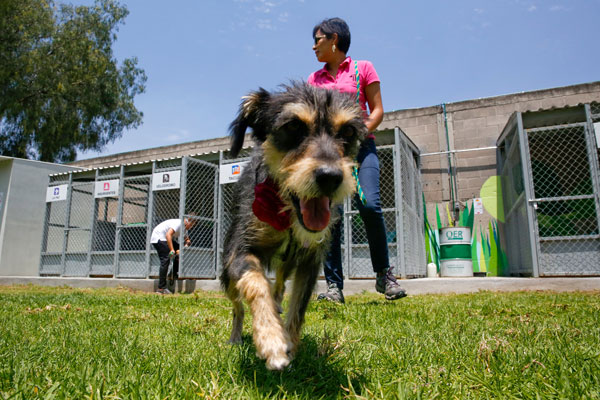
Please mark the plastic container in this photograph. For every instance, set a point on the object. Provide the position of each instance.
(455, 252)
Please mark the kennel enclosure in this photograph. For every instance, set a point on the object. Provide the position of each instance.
(548, 162)
(98, 222)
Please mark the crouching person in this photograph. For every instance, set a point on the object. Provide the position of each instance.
(164, 241)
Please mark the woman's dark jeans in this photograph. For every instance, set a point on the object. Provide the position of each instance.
(371, 214)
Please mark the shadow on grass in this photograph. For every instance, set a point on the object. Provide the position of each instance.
(316, 372)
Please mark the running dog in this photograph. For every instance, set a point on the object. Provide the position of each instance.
(286, 204)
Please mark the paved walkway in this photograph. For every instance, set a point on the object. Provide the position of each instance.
(412, 286)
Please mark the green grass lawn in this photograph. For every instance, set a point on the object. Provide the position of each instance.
(118, 344)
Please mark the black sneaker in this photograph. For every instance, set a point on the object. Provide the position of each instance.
(333, 294)
(164, 291)
(387, 284)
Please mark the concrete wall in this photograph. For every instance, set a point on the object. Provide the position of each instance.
(24, 183)
(471, 124)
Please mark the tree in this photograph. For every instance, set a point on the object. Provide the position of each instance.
(61, 89)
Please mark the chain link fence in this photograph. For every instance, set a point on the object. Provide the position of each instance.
(551, 185)
(53, 237)
(132, 228)
(200, 207)
(402, 207)
(99, 233)
(78, 233)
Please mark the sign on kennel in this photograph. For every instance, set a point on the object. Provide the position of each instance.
(549, 165)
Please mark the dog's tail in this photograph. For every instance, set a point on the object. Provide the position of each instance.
(249, 115)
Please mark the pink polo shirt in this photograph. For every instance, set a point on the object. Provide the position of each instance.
(345, 81)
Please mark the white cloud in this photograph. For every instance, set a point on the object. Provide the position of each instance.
(283, 17)
(264, 14)
(556, 8)
(479, 11)
(532, 8)
(265, 24)
(182, 135)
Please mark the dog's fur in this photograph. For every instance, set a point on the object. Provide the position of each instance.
(307, 139)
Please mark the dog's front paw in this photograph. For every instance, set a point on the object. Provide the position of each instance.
(276, 351)
(278, 363)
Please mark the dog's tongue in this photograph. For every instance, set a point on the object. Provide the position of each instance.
(315, 213)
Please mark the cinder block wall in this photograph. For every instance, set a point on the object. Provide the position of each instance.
(473, 124)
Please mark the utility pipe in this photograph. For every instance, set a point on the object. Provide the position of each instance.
(453, 187)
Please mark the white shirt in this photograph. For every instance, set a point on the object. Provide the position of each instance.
(160, 232)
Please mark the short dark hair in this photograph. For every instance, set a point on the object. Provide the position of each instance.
(335, 25)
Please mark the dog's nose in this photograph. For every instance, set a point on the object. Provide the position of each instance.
(328, 179)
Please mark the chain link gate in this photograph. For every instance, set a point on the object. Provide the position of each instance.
(565, 207)
(200, 192)
(225, 195)
(514, 197)
(163, 205)
(104, 228)
(410, 220)
(549, 163)
(53, 238)
(79, 230)
(358, 258)
(131, 237)
(401, 204)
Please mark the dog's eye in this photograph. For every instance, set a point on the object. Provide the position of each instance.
(347, 132)
(290, 135)
(294, 126)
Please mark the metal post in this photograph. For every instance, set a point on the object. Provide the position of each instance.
(149, 220)
(528, 183)
(63, 258)
(44, 248)
(347, 218)
(92, 226)
(119, 220)
(593, 160)
(181, 239)
(399, 190)
(219, 244)
(216, 197)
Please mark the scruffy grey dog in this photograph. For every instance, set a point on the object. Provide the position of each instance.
(286, 205)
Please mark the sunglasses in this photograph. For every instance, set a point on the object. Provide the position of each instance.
(318, 38)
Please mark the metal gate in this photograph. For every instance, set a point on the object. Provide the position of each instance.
(402, 206)
(78, 230)
(53, 238)
(225, 195)
(199, 204)
(551, 185)
(132, 228)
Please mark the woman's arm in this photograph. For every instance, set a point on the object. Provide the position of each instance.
(373, 93)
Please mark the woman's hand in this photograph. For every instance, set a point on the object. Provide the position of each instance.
(373, 92)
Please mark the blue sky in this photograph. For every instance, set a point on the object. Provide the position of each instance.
(202, 56)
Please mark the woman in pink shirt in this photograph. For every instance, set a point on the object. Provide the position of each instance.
(340, 72)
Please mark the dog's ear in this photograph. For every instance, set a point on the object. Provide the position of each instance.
(251, 114)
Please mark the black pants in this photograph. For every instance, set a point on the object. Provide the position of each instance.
(162, 248)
